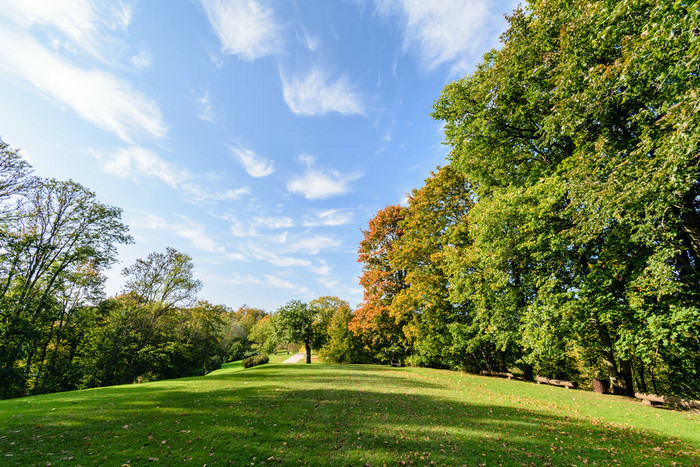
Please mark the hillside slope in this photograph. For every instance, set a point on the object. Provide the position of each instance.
(348, 415)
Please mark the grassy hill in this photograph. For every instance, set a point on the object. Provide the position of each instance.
(320, 414)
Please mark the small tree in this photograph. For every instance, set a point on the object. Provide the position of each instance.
(295, 323)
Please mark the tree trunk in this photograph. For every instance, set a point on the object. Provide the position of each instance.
(620, 378)
(308, 352)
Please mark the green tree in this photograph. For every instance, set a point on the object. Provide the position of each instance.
(54, 247)
(342, 346)
(165, 279)
(296, 322)
(580, 140)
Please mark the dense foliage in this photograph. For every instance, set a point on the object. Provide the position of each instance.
(564, 236)
(57, 329)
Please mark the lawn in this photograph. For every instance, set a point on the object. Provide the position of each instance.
(342, 415)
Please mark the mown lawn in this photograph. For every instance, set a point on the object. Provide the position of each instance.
(341, 415)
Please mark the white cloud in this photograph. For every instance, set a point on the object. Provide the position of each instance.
(279, 283)
(322, 268)
(134, 162)
(331, 218)
(76, 19)
(142, 59)
(317, 94)
(206, 109)
(453, 32)
(256, 166)
(187, 229)
(320, 184)
(97, 96)
(274, 222)
(314, 245)
(122, 15)
(86, 23)
(309, 41)
(330, 284)
(197, 235)
(281, 261)
(244, 27)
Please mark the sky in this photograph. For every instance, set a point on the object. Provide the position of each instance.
(258, 137)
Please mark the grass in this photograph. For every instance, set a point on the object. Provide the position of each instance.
(341, 415)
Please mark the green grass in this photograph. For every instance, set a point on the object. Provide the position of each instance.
(341, 415)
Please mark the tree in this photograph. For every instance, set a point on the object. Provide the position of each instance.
(53, 250)
(165, 279)
(581, 144)
(424, 304)
(295, 321)
(373, 321)
(263, 333)
(342, 346)
(326, 307)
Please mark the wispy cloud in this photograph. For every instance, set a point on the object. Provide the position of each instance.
(256, 165)
(310, 42)
(263, 254)
(274, 222)
(135, 162)
(141, 59)
(322, 268)
(98, 97)
(280, 283)
(206, 109)
(453, 32)
(187, 228)
(314, 245)
(85, 23)
(316, 93)
(76, 19)
(331, 218)
(244, 27)
(320, 183)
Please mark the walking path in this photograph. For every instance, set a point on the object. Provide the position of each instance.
(296, 358)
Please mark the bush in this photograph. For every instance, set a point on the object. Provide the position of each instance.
(255, 360)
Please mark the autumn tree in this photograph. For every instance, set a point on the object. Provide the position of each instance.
(374, 322)
(424, 303)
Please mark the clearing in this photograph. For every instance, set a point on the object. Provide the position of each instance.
(341, 414)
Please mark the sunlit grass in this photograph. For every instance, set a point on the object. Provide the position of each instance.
(342, 415)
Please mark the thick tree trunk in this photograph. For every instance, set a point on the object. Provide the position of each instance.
(308, 352)
(620, 378)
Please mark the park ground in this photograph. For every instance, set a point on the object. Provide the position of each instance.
(286, 414)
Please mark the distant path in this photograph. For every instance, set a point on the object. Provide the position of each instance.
(296, 358)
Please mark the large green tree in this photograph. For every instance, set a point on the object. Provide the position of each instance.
(296, 322)
(54, 246)
(580, 139)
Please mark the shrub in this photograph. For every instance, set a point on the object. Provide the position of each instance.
(255, 360)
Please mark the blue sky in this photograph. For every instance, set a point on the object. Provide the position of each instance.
(258, 137)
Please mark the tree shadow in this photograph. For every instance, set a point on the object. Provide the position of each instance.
(291, 417)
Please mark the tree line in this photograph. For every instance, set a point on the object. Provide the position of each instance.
(563, 236)
(58, 330)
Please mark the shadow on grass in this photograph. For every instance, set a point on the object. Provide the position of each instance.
(267, 415)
